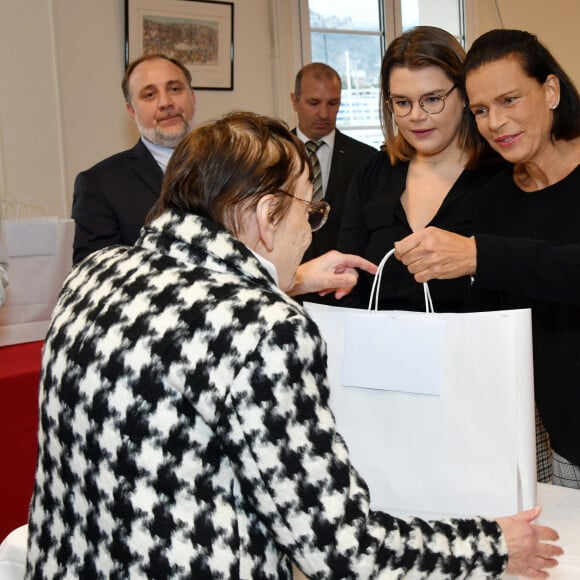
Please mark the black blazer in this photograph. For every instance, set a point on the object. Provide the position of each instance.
(112, 199)
(346, 157)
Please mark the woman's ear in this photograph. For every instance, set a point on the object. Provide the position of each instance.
(552, 90)
(266, 225)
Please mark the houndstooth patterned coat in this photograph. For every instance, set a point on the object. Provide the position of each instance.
(185, 432)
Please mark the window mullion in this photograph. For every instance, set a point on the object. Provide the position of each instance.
(346, 31)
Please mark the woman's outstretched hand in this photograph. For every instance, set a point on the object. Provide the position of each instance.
(331, 272)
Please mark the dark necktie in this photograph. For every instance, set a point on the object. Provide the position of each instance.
(312, 147)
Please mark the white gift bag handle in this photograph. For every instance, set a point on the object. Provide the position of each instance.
(377, 284)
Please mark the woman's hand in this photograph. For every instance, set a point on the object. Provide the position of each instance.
(528, 552)
(331, 272)
(433, 253)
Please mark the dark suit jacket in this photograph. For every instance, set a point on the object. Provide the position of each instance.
(346, 157)
(112, 199)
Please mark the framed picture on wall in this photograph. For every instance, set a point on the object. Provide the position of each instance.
(199, 34)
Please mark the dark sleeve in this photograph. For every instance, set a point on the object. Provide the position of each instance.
(370, 227)
(353, 235)
(529, 244)
(353, 232)
(528, 267)
(96, 223)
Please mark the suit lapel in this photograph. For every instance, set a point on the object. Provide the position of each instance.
(147, 168)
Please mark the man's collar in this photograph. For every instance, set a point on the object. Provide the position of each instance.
(328, 139)
(160, 153)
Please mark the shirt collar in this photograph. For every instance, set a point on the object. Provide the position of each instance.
(328, 139)
(270, 268)
(160, 153)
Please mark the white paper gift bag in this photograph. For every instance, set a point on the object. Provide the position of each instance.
(38, 252)
(437, 410)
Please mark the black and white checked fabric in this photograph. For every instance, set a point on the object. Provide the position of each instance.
(185, 432)
(543, 452)
(312, 147)
(566, 474)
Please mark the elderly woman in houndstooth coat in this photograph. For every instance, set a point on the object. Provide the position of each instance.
(185, 430)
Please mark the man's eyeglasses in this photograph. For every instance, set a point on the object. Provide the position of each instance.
(317, 211)
(431, 104)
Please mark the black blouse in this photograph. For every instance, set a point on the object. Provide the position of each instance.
(374, 219)
(528, 256)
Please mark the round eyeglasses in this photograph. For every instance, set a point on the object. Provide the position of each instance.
(431, 104)
(317, 211)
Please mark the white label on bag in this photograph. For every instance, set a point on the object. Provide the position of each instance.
(386, 353)
(30, 239)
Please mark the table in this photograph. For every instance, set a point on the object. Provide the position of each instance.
(562, 512)
(19, 380)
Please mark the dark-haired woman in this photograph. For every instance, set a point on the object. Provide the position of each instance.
(428, 173)
(526, 249)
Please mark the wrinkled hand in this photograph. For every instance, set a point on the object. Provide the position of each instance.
(331, 272)
(528, 552)
(433, 253)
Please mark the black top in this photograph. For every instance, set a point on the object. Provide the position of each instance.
(528, 256)
(374, 219)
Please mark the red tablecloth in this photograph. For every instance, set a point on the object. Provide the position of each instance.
(19, 379)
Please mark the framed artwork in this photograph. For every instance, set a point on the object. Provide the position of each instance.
(198, 33)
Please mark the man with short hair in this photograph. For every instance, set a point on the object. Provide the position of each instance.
(316, 100)
(112, 199)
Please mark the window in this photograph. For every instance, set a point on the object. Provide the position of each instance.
(351, 36)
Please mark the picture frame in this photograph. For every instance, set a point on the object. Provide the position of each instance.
(198, 33)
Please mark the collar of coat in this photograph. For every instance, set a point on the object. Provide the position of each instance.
(191, 238)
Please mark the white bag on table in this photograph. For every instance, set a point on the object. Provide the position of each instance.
(437, 410)
(38, 252)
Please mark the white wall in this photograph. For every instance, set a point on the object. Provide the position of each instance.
(61, 63)
(555, 22)
(29, 107)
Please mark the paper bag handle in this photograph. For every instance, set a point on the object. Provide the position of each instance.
(377, 284)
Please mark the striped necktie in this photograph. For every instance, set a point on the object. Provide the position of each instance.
(312, 147)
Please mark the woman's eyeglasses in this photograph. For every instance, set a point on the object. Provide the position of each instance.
(431, 104)
(317, 211)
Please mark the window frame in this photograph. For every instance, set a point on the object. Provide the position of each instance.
(386, 8)
(392, 24)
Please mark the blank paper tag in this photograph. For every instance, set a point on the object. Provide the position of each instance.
(391, 354)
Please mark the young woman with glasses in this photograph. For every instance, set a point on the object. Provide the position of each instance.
(428, 172)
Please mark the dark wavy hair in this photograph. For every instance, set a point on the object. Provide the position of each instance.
(225, 166)
(538, 63)
(417, 48)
